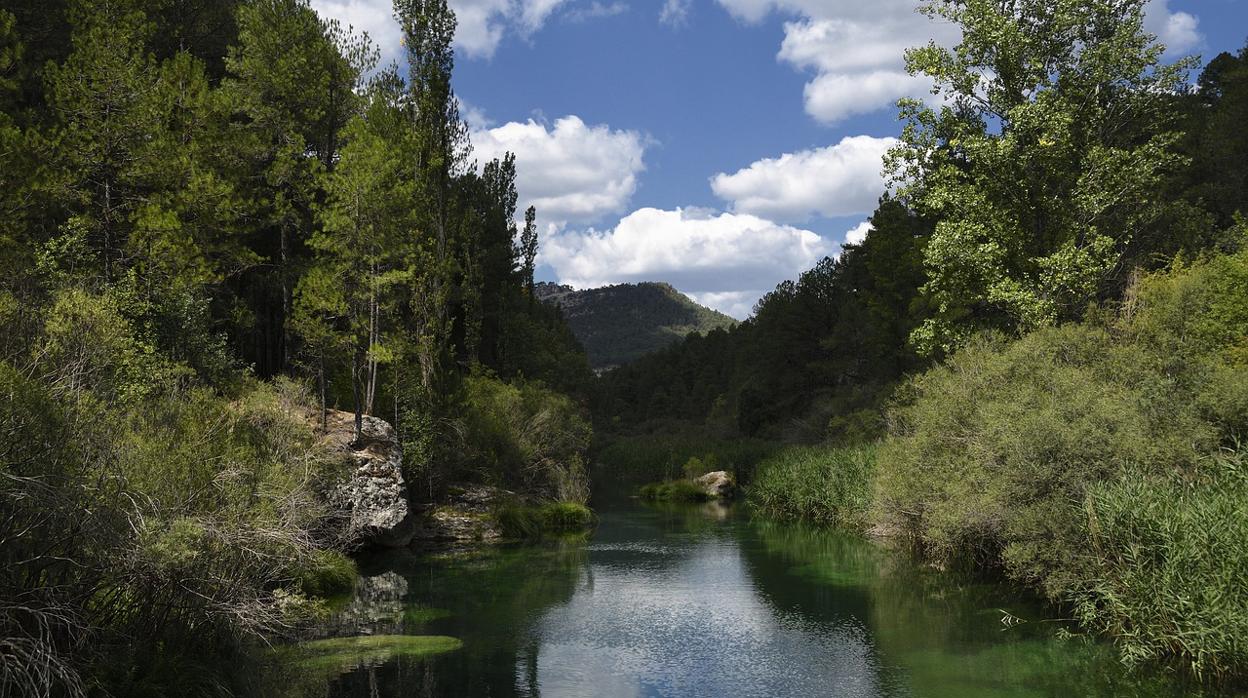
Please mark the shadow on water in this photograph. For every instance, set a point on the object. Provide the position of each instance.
(698, 600)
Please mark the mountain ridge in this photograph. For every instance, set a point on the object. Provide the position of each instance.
(621, 322)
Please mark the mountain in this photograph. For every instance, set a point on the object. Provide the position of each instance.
(617, 324)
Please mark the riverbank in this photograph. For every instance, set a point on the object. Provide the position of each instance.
(707, 600)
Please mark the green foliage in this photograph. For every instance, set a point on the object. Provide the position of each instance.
(1172, 566)
(824, 485)
(528, 521)
(1048, 160)
(525, 436)
(638, 459)
(326, 573)
(673, 491)
(1020, 453)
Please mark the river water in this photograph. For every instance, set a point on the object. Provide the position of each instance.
(705, 601)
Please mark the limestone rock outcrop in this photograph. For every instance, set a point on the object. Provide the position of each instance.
(718, 484)
(373, 497)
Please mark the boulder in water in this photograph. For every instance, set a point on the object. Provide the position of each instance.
(718, 484)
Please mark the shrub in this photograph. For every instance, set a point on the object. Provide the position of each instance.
(673, 491)
(1077, 459)
(525, 436)
(326, 573)
(653, 457)
(821, 484)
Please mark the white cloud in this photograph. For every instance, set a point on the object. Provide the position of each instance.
(855, 49)
(595, 10)
(376, 17)
(481, 24)
(675, 12)
(726, 260)
(1179, 31)
(571, 171)
(837, 180)
(858, 234)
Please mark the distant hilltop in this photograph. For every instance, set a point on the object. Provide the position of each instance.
(619, 323)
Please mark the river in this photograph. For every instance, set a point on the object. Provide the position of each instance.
(705, 601)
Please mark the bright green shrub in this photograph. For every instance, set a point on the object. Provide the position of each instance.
(816, 483)
(527, 521)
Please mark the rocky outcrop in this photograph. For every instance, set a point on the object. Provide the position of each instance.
(467, 516)
(717, 485)
(373, 497)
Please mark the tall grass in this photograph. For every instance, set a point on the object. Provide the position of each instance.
(821, 484)
(1172, 578)
(660, 457)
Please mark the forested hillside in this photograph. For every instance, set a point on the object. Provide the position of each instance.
(617, 324)
(215, 217)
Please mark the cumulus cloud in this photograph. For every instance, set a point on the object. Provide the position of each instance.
(595, 10)
(838, 180)
(855, 49)
(727, 260)
(571, 171)
(858, 234)
(481, 23)
(1179, 31)
(674, 12)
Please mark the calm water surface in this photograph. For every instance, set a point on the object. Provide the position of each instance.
(703, 601)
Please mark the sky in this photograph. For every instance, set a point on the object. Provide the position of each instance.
(722, 146)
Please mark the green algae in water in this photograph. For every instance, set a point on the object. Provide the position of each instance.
(341, 654)
(419, 615)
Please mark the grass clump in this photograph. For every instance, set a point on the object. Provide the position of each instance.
(673, 491)
(825, 485)
(1174, 568)
(326, 573)
(527, 521)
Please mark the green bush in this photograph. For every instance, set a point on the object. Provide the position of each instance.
(821, 484)
(653, 457)
(673, 491)
(1077, 459)
(525, 436)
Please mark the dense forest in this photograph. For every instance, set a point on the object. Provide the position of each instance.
(215, 216)
(1034, 364)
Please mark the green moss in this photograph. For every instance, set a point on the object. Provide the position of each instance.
(338, 654)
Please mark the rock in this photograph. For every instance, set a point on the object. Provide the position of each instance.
(466, 517)
(374, 495)
(718, 484)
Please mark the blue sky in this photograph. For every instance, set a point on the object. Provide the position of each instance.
(720, 145)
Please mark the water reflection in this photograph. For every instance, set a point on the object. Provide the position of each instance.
(700, 601)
